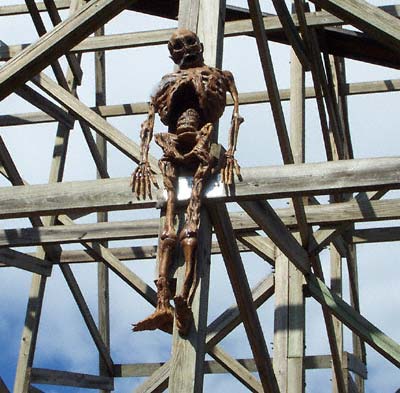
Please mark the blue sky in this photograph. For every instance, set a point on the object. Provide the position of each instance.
(63, 341)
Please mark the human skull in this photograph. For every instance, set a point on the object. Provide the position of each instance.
(186, 49)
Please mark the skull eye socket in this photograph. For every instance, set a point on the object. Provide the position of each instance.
(177, 45)
(190, 41)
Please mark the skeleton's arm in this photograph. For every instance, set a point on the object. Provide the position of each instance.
(146, 134)
(142, 175)
(231, 164)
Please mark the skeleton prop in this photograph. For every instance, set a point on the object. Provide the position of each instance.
(188, 101)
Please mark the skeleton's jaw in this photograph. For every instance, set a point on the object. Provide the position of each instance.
(191, 60)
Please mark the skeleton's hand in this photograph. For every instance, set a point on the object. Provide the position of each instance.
(229, 166)
(140, 180)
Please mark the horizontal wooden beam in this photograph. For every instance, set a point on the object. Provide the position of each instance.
(339, 42)
(26, 262)
(375, 235)
(258, 183)
(256, 97)
(244, 227)
(377, 23)
(66, 378)
(20, 9)
(55, 43)
(311, 362)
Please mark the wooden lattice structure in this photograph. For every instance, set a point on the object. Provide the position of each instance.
(290, 239)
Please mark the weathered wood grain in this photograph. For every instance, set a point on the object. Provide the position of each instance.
(240, 286)
(258, 183)
(357, 88)
(67, 378)
(25, 262)
(52, 45)
(383, 27)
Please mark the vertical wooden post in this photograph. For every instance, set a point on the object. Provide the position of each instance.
(102, 269)
(206, 19)
(336, 287)
(281, 320)
(289, 299)
(38, 285)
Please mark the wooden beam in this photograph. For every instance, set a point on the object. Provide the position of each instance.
(355, 321)
(87, 316)
(384, 86)
(19, 9)
(258, 183)
(314, 362)
(379, 24)
(52, 45)
(375, 235)
(66, 378)
(25, 262)
(95, 121)
(47, 106)
(3, 387)
(217, 330)
(138, 229)
(237, 276)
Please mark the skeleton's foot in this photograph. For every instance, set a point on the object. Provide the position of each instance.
(183, 314)
(160, 319)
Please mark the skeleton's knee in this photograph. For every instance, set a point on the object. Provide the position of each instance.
(188, 236)
(168, 238)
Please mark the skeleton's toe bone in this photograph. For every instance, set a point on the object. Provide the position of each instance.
(160, 319)
(183, 315)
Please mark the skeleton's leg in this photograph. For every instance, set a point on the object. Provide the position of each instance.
(168, 142)
(201, 150)
(162, 318)
(188, 240)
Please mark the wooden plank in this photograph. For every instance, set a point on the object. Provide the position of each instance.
(314, 362)
(95, 121)
(291, 33)
(355, 365)
(3, 386)
(87, 316)
(73, 61)
(41, 29)
(231, 318)
(122, 253)
(236, 369)
(237, 275)
(258, 183)
(64, 36)
(270, 223)
(343, 43)
(375, 235)
(358, 88)
(18, 9)
(25, 262)
(380, 25)
(66, 378)
(295, 296)
(270, 80)
(261, 245)
(103, 291)
(217, 330)
(275, 229)
(354, 321)
(187, 359)
(242, 224)
(52, 110)
(281, 321)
